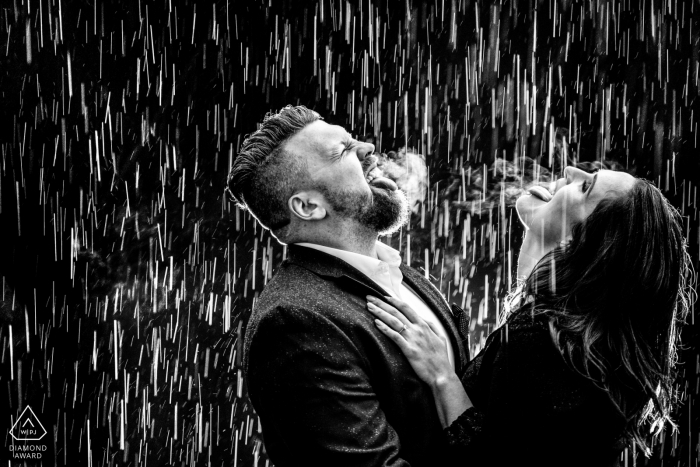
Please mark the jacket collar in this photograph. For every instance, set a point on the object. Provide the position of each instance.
(323, 264)
(432, 296)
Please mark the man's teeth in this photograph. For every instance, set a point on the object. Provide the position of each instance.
(372, 174)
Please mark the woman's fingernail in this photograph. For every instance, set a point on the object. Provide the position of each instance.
(370, 298)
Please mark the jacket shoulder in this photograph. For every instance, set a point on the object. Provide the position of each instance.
(298, 300)
(291, 285)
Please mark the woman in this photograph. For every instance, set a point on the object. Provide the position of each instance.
(583, 364)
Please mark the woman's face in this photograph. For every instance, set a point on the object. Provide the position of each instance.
(551, 215)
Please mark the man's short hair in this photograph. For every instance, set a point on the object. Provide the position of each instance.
(264, 175)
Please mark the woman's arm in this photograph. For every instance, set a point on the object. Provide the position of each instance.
(451, 399)
(427, 353)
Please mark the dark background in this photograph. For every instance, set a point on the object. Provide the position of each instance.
(128, 277)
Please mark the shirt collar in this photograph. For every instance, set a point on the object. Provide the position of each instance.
(389, 255)
(365, 264)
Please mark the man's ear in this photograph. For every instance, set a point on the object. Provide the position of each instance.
(307, 205)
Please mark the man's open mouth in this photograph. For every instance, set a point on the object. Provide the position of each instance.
(376, 178)
(373, 173)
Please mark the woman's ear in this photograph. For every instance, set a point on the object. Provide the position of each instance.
(565, 242)
(307, 205)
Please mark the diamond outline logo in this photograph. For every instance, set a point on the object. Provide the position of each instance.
(22, 421)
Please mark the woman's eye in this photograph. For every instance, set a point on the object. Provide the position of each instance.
(584, 186)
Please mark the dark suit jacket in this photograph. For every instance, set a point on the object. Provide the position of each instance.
(329, 387)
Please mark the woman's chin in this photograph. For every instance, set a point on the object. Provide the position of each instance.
(525, 206)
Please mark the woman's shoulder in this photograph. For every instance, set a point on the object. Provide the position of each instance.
(522, 327)
(523, 337)
(528, 350)
(526, 326)
(523, 377)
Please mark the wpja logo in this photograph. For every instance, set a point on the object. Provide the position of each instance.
(27, 428)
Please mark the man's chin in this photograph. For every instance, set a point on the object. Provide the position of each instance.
(388, 213)
(378, 209)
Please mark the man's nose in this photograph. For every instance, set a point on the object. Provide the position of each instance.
(364, 150)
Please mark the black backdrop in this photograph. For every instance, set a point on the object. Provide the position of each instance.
(128, 277)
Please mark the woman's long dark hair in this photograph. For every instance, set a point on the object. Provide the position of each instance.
(615, 296)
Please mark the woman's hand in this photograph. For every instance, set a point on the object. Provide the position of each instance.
(424, 348)
(427, 353)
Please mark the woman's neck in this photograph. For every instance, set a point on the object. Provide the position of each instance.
(530, 253)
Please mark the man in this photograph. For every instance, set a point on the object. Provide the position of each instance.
(329, 387)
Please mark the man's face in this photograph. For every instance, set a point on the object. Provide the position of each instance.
(339, 168)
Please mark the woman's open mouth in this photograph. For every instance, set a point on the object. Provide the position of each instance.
(541, 193)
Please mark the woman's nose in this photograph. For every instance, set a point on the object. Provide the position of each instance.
(364, 150)
(572, 173)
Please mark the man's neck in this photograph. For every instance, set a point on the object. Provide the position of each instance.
(530, 253)
(349, 238)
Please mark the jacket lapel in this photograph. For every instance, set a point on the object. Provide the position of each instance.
(435, 300)
(327, 265)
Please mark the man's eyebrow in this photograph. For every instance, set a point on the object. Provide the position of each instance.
(346, 141)
(595, 177)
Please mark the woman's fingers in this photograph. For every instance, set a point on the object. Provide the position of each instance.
(432, 328)
(425, 350)
(388, 319)
(391, 334)
(383, 309)
(406, 310)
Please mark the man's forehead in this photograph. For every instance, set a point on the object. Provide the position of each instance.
(322, 130)
(319, 135)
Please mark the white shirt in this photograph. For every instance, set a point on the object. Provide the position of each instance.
(385, 272)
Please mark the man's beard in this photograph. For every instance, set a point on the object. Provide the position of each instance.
(382, 211)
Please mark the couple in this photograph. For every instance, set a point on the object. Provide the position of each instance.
(352, 358)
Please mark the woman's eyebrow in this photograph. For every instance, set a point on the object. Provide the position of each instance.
(595, 177)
